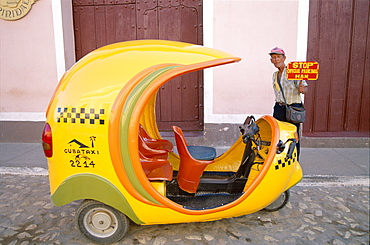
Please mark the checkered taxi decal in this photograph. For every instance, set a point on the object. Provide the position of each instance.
(81, 115)
(282, 163)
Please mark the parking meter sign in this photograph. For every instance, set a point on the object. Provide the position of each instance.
(303, 70)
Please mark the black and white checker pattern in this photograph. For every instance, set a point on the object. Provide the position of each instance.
(81, 115)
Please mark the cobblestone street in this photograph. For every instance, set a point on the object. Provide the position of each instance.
(328, 214)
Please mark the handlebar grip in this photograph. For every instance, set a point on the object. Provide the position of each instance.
(292, 145)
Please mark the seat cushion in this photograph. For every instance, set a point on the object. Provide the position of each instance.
(202, 152)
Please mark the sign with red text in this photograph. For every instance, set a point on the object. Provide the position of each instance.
(302, 70)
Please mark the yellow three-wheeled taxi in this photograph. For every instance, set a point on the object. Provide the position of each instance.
(103, 145)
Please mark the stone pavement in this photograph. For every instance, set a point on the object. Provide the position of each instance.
(329, 206)
(315, 214)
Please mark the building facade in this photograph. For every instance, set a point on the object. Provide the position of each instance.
(38, 48)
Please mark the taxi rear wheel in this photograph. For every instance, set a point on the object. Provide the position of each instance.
(101, 223)
(279, 203)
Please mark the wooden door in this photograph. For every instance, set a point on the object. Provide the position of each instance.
(339, 39)
(101, 22)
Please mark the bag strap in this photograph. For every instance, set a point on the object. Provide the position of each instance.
(281, 88)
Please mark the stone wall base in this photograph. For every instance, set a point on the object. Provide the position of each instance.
(216, 135)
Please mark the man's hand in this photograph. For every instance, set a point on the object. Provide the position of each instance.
(302, 89)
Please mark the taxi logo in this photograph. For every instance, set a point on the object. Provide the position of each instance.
(77, 147)
(81, 155)
(306, 70)
(15, 9)
(81, 145)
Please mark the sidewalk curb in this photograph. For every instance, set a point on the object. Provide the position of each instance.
(36, 171)
(331, 180)
(308, 180)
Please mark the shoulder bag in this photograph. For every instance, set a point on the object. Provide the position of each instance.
(293, 114)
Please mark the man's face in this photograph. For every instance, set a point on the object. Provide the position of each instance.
(278, 60)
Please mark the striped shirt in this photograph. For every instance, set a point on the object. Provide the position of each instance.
(290, 88)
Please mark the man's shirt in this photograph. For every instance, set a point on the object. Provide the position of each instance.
(290, 88)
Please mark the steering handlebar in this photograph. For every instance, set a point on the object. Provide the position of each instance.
(249, 129)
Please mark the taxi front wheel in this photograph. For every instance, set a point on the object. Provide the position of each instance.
(279, 203)
(101, 223)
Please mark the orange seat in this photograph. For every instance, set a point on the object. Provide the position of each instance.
(156, 169)
(148, 152)
(191, 169)
(154, 143)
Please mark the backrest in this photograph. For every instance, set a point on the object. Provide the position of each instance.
(190, 169)
(143, 133)
(181, 144)
(149, 152)
(154, 143)
(180, 135)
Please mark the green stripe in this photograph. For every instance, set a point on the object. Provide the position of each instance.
(90, 186)
(127, 112)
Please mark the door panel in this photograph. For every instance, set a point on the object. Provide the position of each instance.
(147, 20)
(85, 38)
(122, 24)
(338, 38)
(101, 22)
(100, 26)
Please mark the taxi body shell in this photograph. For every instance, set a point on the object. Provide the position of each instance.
(94, 117)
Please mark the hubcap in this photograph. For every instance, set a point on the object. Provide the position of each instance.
(100, 222)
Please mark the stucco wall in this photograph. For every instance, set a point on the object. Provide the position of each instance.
(27, 63)
(250, 29)
(30, 65)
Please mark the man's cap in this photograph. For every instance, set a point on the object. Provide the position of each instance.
(277, 50)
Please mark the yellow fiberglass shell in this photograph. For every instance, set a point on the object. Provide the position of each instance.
(94, 116)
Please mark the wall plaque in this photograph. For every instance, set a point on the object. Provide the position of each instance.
(15, 9)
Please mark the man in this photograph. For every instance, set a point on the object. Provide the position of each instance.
(292, 88)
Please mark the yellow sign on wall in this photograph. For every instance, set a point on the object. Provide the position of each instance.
(305, 70)
(15, 9)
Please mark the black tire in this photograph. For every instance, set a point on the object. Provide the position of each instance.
(100, 222)
(279, 203)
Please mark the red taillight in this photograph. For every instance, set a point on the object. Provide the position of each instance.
(47, 141)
